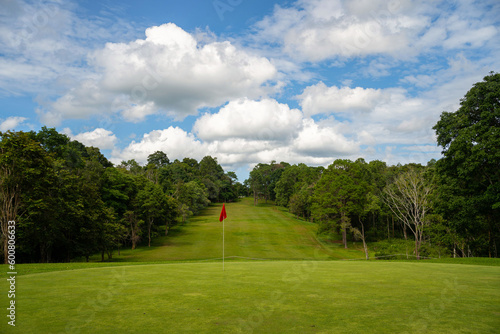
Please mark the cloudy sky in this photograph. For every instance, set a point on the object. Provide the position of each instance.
(246, 81)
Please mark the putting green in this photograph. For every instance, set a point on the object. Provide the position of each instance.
(259, 297)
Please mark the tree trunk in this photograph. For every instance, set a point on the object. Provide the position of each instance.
(392, 226)
(363, 238)
(344, 229)
(388, 229)
(150, 222)
(9, 207)
(134, 236)
(489, 243)
(417, 252)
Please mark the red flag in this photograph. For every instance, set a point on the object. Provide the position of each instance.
(223, 214)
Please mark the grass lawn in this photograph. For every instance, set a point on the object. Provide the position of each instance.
(178, 286)
(262, 232)
(260, 297)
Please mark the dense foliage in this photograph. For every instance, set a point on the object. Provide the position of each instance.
(451, 206)
(69, 201)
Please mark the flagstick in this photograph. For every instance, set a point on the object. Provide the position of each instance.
(223, 244)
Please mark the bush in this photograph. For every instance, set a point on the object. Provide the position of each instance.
(395, 249)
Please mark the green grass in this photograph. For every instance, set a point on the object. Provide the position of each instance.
(262, 232)
(178, 286)
(260, 297)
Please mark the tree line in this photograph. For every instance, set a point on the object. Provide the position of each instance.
(452, 205)
(69, 201)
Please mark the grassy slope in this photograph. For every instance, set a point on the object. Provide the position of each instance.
(262, 232)
(256, 296)
(260, 297)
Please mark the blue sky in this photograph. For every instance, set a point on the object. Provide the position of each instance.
(245, 81)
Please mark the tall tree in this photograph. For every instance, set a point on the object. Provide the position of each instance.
(152, 202)
(159, 159)
(133, 224)
(408, 198)
(23, 165)
(339, 195)
(469, 173)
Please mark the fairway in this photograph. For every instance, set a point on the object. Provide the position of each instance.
(252, 232)
(178, 286)
(261, 297)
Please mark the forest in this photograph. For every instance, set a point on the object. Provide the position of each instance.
(69, 202)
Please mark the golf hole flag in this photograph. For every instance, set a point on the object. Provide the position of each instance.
(223, 214)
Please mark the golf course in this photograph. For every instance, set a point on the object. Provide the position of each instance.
(278, 277)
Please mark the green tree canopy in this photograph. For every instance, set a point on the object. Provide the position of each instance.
(469, 173)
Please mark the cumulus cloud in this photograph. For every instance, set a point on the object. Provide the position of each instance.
(168, 71)
(174, 141)
(44, 43)
(317, 30)
(249, 119)
(10, 123)
(370, 116)
(101, 138)
(318, 140)
(319, 99)
(296, 139)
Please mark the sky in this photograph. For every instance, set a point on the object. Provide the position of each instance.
(247, 82)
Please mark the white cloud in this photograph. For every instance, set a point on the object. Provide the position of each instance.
(424, 148)
(318, 140)
(317, 30)
(313, 142)
(168, 71)
(137, 113)
(11, 123)
(175, 142)
(101, 138)
(45, 43)
(319, 99)
(244, 118)
(371, 116)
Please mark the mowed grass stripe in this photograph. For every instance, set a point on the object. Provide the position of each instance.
(262, 232)
(261, 297)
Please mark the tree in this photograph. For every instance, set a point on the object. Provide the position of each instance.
(408, 199)
(339, 195)
(23, 165)
(132, 166)
(118, 189)
(469, 173)
(152, 202)
(171, 212)
(134, 231)
(256, 183)
(263, 180)
(300, 202)
(158, 159)
(371, 206)
(193, 195)
(211, 173)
